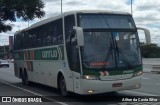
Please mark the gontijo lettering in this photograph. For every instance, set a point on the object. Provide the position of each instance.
(49, 54)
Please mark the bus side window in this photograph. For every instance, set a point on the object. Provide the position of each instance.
(55, 35)
(22, 41)
(49, 35)
(25, 40)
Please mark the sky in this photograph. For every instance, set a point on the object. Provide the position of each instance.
(146, 13)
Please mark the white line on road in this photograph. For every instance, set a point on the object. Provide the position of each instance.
(62, 103)
(158, 83)
(146, 94)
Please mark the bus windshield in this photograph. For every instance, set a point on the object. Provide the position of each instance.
(109, 21)
(103, 50)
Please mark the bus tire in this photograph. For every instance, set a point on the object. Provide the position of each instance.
(25, 78)
(62, 86)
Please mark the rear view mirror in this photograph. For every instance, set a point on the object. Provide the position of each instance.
(79, 35)
(147, 34)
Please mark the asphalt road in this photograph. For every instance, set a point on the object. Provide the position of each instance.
(12, 86)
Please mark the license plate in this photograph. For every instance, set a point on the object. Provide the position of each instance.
(117, 85)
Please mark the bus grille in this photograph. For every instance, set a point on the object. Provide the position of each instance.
(116, 77)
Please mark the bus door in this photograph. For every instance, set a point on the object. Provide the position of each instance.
(75, 65)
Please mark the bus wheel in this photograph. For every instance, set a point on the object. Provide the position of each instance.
(62, 86)
(25, 78)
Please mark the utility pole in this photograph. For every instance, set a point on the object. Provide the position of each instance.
(61, 6)
(131, 8)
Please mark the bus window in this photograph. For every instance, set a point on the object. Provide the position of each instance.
(69, 23)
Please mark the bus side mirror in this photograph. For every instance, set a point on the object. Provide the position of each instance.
(79, 35)
(147, 34)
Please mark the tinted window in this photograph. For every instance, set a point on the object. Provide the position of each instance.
(88, 21)
(45, 35)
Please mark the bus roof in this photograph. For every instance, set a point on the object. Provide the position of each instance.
(69, 13)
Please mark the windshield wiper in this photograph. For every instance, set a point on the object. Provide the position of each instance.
(109, 53)
(123, 55)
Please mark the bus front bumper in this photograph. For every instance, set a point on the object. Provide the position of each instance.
(98, 86)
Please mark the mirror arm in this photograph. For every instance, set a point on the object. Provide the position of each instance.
(147, 34)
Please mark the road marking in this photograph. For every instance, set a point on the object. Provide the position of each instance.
(158, 83)
(146, 94)
(62, 103)
(145, 78)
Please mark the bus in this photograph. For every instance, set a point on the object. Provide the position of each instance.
(84, 52)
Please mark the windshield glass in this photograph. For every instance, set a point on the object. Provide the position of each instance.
(110, 50)
(99, 21)
(98, 50)
(127, 49)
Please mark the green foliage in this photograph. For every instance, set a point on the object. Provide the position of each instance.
(150, 51)
(23, 9)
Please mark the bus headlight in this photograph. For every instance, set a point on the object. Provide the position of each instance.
(138, 73)
(90, 77)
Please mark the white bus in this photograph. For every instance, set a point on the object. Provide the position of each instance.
(85, 52)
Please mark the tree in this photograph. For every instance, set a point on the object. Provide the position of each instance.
(150, 51)
(22, 9)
